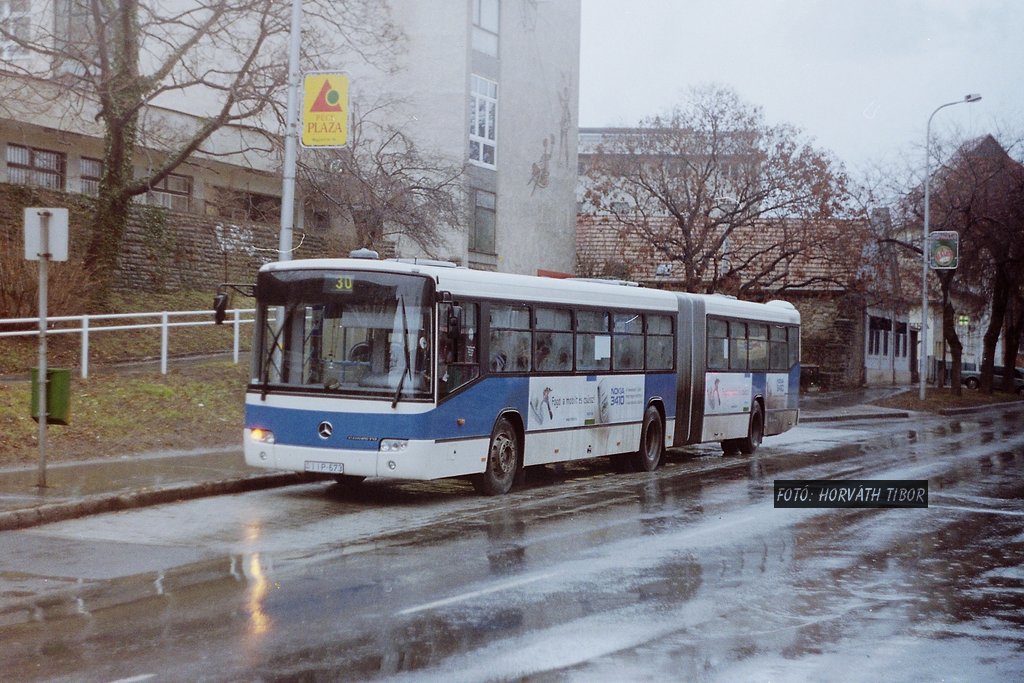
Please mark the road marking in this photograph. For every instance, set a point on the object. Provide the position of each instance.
(135, 679)
(476, 594)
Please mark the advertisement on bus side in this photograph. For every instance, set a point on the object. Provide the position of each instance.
(727, 392)
(776, 391)
(563, 402)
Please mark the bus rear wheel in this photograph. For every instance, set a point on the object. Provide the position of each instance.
(755, 434)
(652, 442)
(502, 461)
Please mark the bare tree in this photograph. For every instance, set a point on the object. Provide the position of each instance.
(979, 192)
(226, 58)
(387, 185)
(736, 203)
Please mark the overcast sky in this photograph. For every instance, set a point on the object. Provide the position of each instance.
(859, 76)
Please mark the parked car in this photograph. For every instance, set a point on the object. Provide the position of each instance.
(972, 378)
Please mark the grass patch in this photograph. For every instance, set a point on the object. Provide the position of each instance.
(18, 354)
(937, 399)
(117, 413)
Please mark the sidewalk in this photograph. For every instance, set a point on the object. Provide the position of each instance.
(76, 489)
(91, 487)
(847, 405)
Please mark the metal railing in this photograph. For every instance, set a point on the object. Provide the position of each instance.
(86, 327)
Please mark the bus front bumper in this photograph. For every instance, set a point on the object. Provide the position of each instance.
(395, 459)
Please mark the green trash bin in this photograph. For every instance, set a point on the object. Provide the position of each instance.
(58, 395)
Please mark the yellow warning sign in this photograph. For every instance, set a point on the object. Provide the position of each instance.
(325, 110)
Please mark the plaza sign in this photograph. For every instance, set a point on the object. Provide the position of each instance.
(325, 110)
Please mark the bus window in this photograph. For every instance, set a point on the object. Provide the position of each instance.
(510, 339)
(718, 344)
(758, 346)
(737, 346)
(794, 346)
(778, 354)
(593, 343)
(659, 342)
(628, 341)
(552, 341)
(456, 357)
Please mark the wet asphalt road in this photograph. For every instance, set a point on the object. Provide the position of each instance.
(582, 575)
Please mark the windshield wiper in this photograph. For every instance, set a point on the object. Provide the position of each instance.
(405, 348)
(268, 360)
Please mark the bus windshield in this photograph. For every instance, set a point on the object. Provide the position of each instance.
(350, 333)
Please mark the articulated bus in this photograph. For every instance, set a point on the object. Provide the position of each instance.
(413, 370)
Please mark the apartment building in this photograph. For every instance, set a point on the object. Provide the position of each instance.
(489, 86)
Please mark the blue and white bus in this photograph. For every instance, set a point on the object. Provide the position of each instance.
(371, 368)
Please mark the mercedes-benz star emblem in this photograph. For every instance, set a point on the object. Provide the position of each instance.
(325, 429)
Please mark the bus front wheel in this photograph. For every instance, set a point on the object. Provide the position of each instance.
(349, 481)
(502, 461)
(652, 442)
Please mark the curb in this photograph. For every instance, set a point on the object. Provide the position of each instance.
(891, 414)
(978, 409)
(128, 500)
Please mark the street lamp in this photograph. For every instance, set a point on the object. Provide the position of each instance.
(923, 360)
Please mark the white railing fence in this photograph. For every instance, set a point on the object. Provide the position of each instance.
(87, 325)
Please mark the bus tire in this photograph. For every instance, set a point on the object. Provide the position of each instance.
(731, 446)
(348, 481)
(502, 461)
(755, 432)
(652, 442)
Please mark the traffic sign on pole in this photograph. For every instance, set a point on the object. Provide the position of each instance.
(46, 239)
(943, 249)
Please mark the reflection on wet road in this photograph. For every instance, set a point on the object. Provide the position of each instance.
(583, 575)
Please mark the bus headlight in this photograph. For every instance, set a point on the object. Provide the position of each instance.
(262, 435)
(393, 445)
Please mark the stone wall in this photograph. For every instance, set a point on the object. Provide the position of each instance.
(832, 332)
(164, 251)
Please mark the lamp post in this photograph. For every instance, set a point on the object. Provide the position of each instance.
(923, 360)
(291, 137)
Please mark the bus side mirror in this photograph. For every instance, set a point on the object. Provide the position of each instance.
(454, 322)
(220, 307)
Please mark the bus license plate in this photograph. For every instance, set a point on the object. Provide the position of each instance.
(325, 467)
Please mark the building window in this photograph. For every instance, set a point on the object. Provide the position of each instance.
(483, 119)
(74, 37)
(240, 205)
(481, 238)
(173, 192)
(15, 21)
(320, 220)
(90, 171)
(41, 167)
(878, 336)
(485, 26)
(900, 344)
